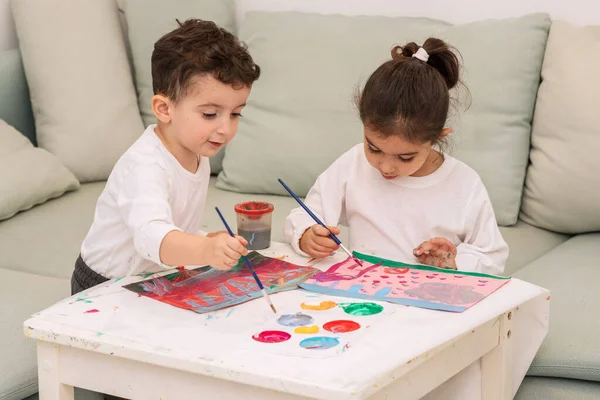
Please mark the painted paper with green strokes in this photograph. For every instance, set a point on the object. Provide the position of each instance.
(148, 21)
(411, 285)
(300, 115)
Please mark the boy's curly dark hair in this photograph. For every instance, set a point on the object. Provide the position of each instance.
(199, 47)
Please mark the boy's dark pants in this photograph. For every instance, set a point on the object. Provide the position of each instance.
(84, 277)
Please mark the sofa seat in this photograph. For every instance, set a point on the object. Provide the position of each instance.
(571, 272)
(46, 239)
(536, 388)
(22, 295)
(528, 243)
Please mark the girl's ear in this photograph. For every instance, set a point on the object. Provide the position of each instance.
(446, 132)
(161, 108)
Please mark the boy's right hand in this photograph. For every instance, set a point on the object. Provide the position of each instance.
(224, 251)
(316, 241)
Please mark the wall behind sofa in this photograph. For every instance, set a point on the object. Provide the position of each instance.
(583, 12)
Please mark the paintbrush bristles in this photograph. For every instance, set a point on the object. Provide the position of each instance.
(264, 292)
(351, 255)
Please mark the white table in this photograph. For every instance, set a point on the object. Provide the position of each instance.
(139, 348)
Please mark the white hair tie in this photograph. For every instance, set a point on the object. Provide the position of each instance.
(422, 55)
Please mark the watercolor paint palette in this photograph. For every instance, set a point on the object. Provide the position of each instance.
(207, 289)
(319, 327)
(411, 285)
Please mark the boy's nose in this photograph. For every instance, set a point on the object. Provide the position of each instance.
(226, 129)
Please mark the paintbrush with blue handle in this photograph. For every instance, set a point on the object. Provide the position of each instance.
(249, 264)
(318, 221)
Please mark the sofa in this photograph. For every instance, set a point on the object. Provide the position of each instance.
(78, 90)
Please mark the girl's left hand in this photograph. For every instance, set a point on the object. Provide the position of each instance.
(437, 252)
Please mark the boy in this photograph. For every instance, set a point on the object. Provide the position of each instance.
(150, 209)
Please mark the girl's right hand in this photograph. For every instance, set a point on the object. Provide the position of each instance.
(224, 251)
(316, 241)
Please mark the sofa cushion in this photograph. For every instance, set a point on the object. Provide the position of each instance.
(527, 243)
(300, 115)
(535, 388)
(82, 91)
(571, 273)
(22, 295)
(46, 240)
(562, 191)
(148, 21)
(28, 175)
(15, 106)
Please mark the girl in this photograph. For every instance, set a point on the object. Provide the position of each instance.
(401, 197)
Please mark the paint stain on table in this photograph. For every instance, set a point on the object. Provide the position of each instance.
(307, 330)
(271, 336)
(324, 305)
(361, 309)
(293, 320)
(319, 343)
(341, 326)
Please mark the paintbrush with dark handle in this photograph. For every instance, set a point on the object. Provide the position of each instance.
(249, 264)
(318, 221)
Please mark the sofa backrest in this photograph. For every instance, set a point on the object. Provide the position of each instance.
(15, 106)
(16, 109)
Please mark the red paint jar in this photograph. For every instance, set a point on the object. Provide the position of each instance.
(254, 220)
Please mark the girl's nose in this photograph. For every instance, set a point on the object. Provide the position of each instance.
(386, 168)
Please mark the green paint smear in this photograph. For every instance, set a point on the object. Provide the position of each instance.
(84, 300)
(99, 334)
(398, 264)
(361, 309)
(254, 258)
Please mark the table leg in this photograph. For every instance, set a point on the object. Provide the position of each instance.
(496, 366)
(50, 386)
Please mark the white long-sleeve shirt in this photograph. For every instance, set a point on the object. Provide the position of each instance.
(148, 194)
(389, 218)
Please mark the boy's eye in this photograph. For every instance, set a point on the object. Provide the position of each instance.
(406, 160)
(209, 115)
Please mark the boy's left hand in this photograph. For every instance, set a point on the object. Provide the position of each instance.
(437, 252)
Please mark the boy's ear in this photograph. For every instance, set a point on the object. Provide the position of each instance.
(446, 132)
(161, 108)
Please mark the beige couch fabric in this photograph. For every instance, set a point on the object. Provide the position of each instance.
(562, 191)
(80, 82)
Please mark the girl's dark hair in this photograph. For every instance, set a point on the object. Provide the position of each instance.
(408, 96)
(199, 47)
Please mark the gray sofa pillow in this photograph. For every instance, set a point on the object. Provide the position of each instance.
(28, 175)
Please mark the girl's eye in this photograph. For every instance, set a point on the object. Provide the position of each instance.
(209, 116)
(236, 115)
(372, 149)
(406, 160)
